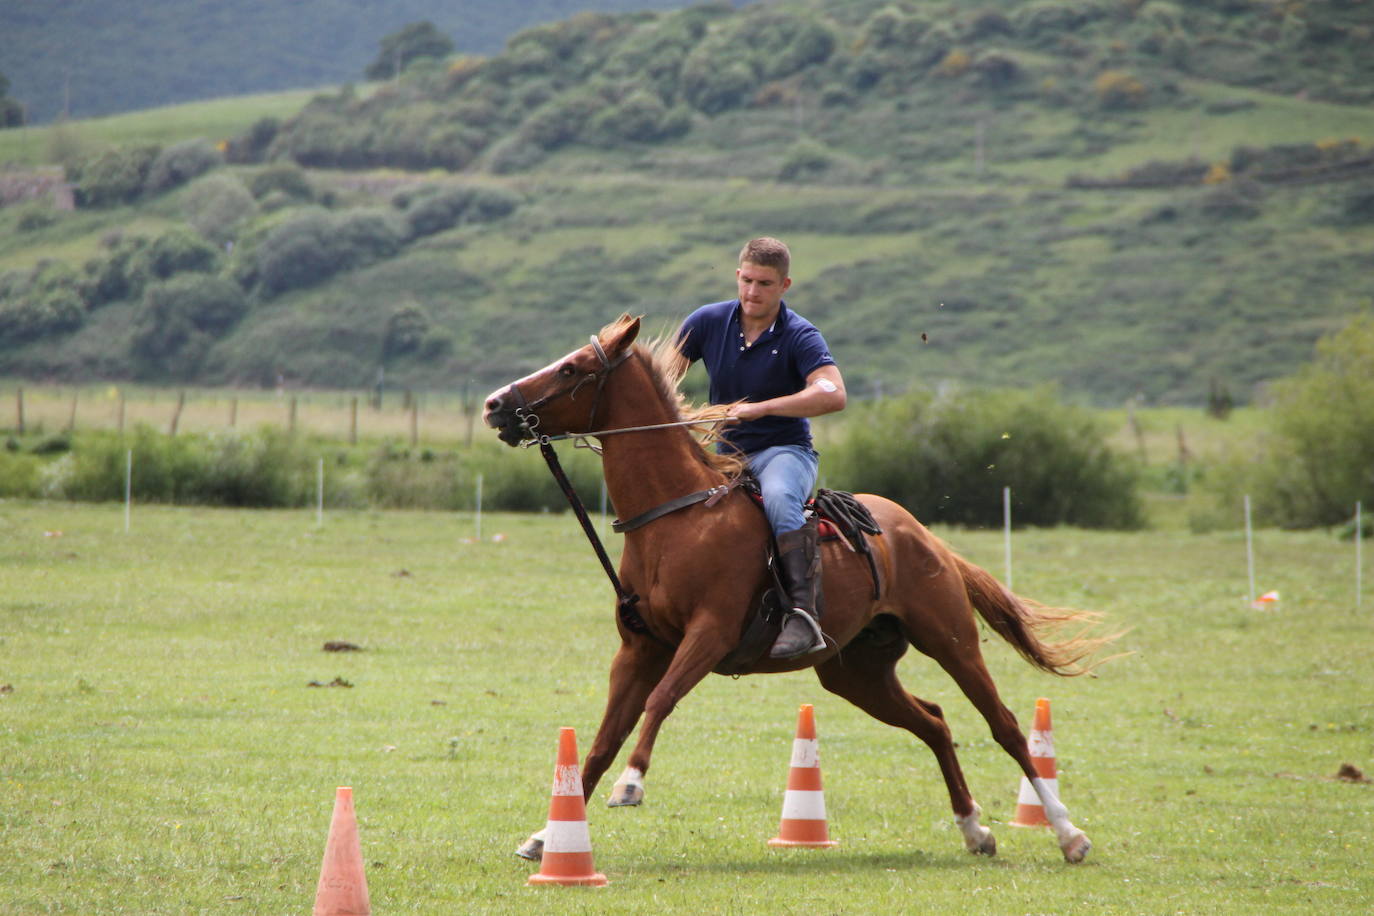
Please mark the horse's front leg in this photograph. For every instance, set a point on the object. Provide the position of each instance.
(639, 665)
(702, 648)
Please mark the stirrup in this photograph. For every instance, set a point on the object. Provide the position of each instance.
(817, 641)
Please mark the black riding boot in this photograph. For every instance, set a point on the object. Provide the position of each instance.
(800, 557)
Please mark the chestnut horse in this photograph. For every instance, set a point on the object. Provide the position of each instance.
(700, 569)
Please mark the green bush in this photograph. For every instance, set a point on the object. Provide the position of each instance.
(948, 459)
(217, 205)
(266, 468)
(181, 162)
(366, 235)
(115, 176)
(39, 302)
(19, 475)
(1315, 461)
(175, 251)
(286, 177)
(436, 209)
(180, 318)
(107, 277)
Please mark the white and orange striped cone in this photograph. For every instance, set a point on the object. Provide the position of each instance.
(803, 805)
(342, 890)
(1029, 810)
(567, 857)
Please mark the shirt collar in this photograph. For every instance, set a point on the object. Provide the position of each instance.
(779, 322)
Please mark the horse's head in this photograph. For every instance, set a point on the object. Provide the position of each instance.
(563, 397)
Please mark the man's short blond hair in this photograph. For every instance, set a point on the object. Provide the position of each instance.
(767, 252)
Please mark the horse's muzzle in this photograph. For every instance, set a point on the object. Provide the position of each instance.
(499, 414)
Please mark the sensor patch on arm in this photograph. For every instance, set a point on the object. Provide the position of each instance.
(824, 384)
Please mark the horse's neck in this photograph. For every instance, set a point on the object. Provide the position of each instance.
(646, 469)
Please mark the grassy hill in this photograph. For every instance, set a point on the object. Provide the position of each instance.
(89, 58)
(1152, 200)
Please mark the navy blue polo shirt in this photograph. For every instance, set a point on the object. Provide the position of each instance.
(776, 364)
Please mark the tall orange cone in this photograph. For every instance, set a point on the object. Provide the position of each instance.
(342, 890)
(567, 844)
(803, 805)
(1029, 811)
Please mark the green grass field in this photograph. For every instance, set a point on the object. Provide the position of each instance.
(164, 754)
(215, 120)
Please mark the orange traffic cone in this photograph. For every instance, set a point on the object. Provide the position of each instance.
(1029, 811)
(803, 805)
(343, 886)
(567, 844)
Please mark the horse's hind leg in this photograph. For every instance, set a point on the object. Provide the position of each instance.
(866, 675)
(971, 674)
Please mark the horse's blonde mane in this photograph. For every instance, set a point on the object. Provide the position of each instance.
(660, 355)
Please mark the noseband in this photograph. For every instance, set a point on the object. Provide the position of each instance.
(529, 419)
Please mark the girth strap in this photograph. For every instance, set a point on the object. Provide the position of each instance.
(710, 497)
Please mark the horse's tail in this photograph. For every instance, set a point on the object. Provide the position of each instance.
(1021, 621)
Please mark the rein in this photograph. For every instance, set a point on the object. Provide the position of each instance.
(625, 599)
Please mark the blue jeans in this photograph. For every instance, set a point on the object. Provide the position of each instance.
(787, 475)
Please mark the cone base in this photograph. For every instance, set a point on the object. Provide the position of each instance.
(778, 841)
(592, 880)
(1033, 818)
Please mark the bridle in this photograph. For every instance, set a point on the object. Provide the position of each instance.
(526, 411)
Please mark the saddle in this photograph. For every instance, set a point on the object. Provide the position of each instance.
(840, 517)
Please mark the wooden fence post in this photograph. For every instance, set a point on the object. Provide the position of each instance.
(121, 415)
(353, 422)
(19, 411)
(176, 414)
(233, 413)
(71, 417)
(414, 422)
(291, 423)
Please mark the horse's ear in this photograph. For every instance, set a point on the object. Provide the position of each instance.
(622, 334)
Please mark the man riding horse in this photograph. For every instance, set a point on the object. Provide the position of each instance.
(774, 367)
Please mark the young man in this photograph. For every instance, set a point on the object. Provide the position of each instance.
(776, 364)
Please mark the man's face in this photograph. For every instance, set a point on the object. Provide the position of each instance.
(760, 290)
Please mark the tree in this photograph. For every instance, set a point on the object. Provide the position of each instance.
(1319, 457)
(399, 49)
(11, 111)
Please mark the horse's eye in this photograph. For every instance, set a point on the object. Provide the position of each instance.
(567, 370)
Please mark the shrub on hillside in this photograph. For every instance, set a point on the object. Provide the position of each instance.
(435, 209)
(286, 177)
(175, 251)
(948, 459)
(217, 205)
(298, 253)
(1050, 20)
(712, 86)
(181, 162)
(639, 117)
(806, 160)
(1116, 89)
(180, 319)
(107, 277)
(366, 235)
(42, 301)
(114, 176)
(252, 144)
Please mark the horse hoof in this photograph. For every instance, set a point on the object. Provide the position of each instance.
(986, 847)
(626, 795)
(1077, 847)
(532, 850)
